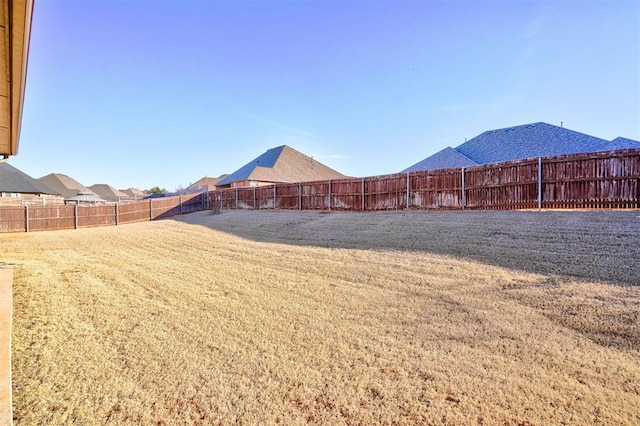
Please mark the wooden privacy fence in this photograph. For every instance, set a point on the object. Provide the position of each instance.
(39, 218)
(601, 180)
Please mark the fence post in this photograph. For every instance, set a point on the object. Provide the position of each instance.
(300, 196)
(26, 218)
(254, 198)
(539, 183)
(464, 192)
(363, 201)
(75, 215)
(221, 200)
(150, 208)
(180, 201)
(236, 198)
(117, 214)
(274, 196)
(408, 191)
(329, 194)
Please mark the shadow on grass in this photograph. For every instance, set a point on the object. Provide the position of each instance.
(595, 245)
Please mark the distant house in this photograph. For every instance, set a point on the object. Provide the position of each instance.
(134, 193)
(64, 185)
(109, 193)
(18, 188)
(517, 143)
(206, 183)
(282, 164)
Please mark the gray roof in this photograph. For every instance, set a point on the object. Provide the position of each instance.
(268, 159)
(14, 180)
(528, 141)
(447, 158)
(624, 143)
(518, 143)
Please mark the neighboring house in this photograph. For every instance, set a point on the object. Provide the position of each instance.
(18, 188)
(135, 193)
(279, 165)
(64, 185)
(517, 143)
(445, 159)
(109, 193)
(206, 183)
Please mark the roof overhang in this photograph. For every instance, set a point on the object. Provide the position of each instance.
(16, 16)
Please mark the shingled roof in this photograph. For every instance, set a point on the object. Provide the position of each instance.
(108, 192)
(279, 165)
(528, 141)
(447, 158)
(206, 183)
(518, 143)
(134, 192)
(624, 143)
(14, 180)
(64, 185)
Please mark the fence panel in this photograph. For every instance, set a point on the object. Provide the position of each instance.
(12, 219)
(346, 194)
(315, 195)
(51, 218)
(504, 186)
(437, 189)
(597, 180)
(137, 211)
(193, 203)
(386, 192)
(246, 198)
(288, 196)
(265, 199)
(228, 198)
(165, 207)
(98, 215)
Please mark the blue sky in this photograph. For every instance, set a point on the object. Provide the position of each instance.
(146, 93)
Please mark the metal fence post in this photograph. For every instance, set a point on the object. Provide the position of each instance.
(300, 196)
(539, 183)
(363, 200)
(117, 214)
(274, 196)
(26, 218)
(75, 214)
(408, 191)
(236, 198)
(329, 194)
(150, 208)
(464, 192)
(254, 198)
(221, 199)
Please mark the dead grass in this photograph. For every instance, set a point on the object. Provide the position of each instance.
(275, 317)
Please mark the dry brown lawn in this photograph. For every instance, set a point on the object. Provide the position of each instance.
(338, 318)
